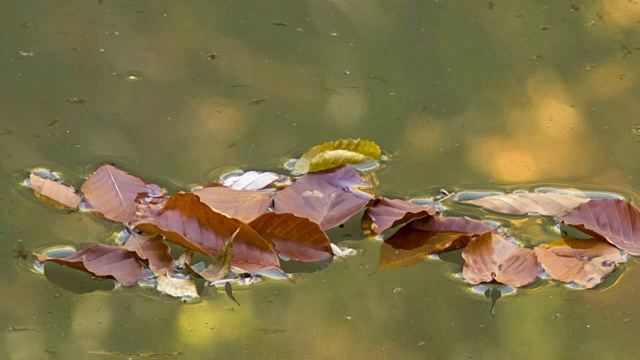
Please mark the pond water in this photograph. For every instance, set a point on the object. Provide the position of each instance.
(462, 95)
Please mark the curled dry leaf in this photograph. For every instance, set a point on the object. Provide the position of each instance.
(251, 180)
(547, 204)
(104, 261)
(585, 262)
(333, 154)
(329, 199)
(177, 287)
(186, 221)
(616, 221)
(113, 193)
(220, 268)
(54, 192)
(152, 249)
(239, 204)
(296, 237)
(386, 213)
(492, 257)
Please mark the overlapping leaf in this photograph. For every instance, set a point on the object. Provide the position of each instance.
(239, 204)
(615, 220)
(333, 154)
(152, 249)
(113, 193)
(221, 267)
(54, 192)
(186, 221)
(329, 198)
(492, 257)
(585, 262)
(386, 213)
(104, 261)
(251, 180)
(296, 237)
(177, 287)
(547, 204)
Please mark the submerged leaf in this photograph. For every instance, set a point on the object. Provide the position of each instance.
(492, 257)
(333, 154)
(329, 199)
(177, 287)
(54, 192)
(547, 204)
(584, 262)
(104, 261)
(239, 204)
(113, 193)
(386, 213)
(186, 221)
(296, 237)
(616, 221)
(152, 249)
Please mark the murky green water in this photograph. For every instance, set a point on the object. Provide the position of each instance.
(487, 95)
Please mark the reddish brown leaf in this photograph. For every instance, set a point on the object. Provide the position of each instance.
(616, 221)
(54, 192)
(184, 220)
(239, 204)
(463, 225)
(547, 204)
(491, 257)
(385, 214)
(112, 193)
(152, 249)
(408, 246)
(329, 198)
(222, 265)
(104, 261)
(296, 237)
(584, 262)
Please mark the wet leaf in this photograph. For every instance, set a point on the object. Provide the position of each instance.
(186, 221)
(229, 291)
(220, 268)
(329, 199)
(251, 180)
(386, 213)
(54, 192)
(152, 249)
(616, 221)
(296, 237)
(584, 262)
(333, 154)
(455, 224)
(242, 205)
(547, 204)
(113, 193)
(492, 257)
(104, 261)
(177, 287)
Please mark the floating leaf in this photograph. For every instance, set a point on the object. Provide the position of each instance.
(492, 257)
(455, 224)
(408, 246)
(584, 262)
(333, 154)
(54, 192)
(251, 180)
(152, 249)
(112, 193)
(104, 261)
(617, 221)
(547, 204)
(177, 287)
(329, 199)
(220, 268)
(293, 236)
(242, 205)
(386, 213)
(186, 221)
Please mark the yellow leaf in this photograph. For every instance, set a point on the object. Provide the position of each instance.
(333, 154)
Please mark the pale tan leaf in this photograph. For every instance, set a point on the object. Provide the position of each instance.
(547, 204)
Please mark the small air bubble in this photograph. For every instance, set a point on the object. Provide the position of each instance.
(133, 76)
(635, 130)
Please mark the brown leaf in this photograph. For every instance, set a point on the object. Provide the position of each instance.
(547, 204)
(296, 237)
(492, 257)
(186, 221)
(329, 198)
(584, 262)
(239, 204)
(104, 261)
(54, 193)
(463, 225)
(176, 287)
(221, 267)
(616, 221)
(152, 249)
(112, 193)
(386, 213)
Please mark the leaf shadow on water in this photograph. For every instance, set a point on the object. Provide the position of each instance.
(74, 281)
